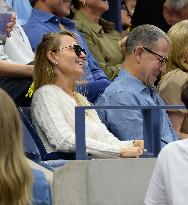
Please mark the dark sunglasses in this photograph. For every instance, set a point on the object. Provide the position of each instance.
(77, 49)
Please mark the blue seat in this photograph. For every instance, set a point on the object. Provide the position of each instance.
(34, 148)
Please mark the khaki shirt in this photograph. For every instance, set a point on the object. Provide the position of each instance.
(102, 40)
(170, 88)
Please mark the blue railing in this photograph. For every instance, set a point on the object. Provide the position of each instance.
(151, 127)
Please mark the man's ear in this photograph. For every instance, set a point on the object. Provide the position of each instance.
(51, 57)
(138, 52)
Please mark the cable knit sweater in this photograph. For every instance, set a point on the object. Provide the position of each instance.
(53, 115)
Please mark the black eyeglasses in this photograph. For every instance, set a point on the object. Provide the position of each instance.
(124, 7)
(77, 49)
(163, 60)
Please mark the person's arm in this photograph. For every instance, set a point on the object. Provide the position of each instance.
(177, 119)
(49, 117)
(14, 70)
(124, 124)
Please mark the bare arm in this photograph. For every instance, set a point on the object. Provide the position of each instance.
(14, 70)
(177, 121)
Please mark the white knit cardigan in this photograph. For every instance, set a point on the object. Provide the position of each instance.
(53, 115)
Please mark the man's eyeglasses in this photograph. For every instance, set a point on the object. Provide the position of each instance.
(77, 49)
(162, 60)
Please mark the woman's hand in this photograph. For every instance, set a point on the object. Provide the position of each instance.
(131, 152)
(11, 24)
(139, 143)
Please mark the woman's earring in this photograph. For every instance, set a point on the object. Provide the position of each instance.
(84, 3)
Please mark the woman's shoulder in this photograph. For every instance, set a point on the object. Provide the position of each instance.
(49, 90)
(173, 78)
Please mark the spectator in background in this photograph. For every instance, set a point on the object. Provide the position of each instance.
(170, 86)
(127, 10)
(15, 174)
(15, 74)
(169, 182)
(58, 64)
(161, 13)
(48, 16)
(100, 35)
(146, 50)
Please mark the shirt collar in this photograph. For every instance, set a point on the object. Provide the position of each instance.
(45, 17)
(138, 85)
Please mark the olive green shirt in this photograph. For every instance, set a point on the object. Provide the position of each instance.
(170, 88)
(102, 40)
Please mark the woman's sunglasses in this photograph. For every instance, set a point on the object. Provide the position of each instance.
(77, 49)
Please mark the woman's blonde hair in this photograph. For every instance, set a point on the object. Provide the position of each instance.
(179, 37)
(44, 68)
(15, 174)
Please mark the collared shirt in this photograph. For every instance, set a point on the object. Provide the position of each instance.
(102, 40)
(128, 124)
(41, 23)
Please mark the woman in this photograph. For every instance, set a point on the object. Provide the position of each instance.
(127, 10)
(170, 85)
(101, 36)
(59, 63)
(16, 180)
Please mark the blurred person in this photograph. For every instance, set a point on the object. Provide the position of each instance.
(161, 13)
(48, 16)
(22, 9)
(169, 181)
(100, 35)
(16, 177)
(146, 49)
(59, 62)
(127, 10)
(15, 74)
(170, 86)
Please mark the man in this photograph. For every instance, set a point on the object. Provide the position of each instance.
(48, 16)
(146, 50)
(15, 74)
(161, 13)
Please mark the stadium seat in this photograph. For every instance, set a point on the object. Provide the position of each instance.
(34, 148)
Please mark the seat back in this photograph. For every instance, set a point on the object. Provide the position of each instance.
(26, 118)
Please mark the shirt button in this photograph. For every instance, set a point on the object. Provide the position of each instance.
(57, 20)
(106, 58)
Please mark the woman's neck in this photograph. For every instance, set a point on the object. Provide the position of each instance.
(67, 85)
(92, 15)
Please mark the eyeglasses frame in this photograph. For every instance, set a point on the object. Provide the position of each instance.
(163, 60)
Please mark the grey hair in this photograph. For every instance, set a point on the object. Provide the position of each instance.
(144, 35)
(177, 4)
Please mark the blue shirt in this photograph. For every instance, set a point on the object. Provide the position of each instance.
(22, 9)
(41, 23)
(128, 124)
